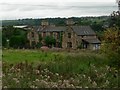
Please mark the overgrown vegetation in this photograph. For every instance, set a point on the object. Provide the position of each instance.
(36, 69)
(14, 37)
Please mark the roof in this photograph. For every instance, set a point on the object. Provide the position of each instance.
(92, 40)
(79, 30)
(52, 29)
(37, 28)
(83, 30)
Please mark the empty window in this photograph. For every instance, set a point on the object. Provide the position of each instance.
(32, 34)
(51, 33)
(69, 35)
(44, 34)
(58, 35)
(69, 44)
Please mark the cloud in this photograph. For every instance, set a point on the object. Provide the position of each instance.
(53, 9)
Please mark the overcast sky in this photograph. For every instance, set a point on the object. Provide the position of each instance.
(18, 9)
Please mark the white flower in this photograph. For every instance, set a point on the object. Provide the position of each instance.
(32, 86)
(48, 77)
(37, 72)
(107, 82)
(5, 87)
(56, 74)
(94, 84)
(37, 80)
(84, 76)
(89, 79)
(17, 81)
(86, 87)
(107, 67)
(54, 86)
(96, 71)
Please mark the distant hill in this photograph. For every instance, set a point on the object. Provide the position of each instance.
(57, 21)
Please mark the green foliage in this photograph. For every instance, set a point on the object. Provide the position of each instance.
(17, 37)
(49, 40)
(111, 45)
(39, 45)
(34, 68)
(17, 41)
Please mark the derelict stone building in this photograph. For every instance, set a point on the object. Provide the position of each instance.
(69, 36)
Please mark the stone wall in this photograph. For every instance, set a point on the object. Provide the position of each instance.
(33, 37)
(66, 39)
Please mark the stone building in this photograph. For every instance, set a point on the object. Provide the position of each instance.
(69, 36)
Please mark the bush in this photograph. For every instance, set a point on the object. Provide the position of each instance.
(111, 45)
(49, 41)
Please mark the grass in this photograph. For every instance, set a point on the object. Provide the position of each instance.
(34, 68)
(62, 62)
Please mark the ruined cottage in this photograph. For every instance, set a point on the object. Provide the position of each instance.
(70, 36)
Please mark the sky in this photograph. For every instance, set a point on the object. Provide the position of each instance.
(19, 9)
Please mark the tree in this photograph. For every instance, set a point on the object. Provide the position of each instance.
(17, 41)
(17, 37)
(111, 45)
(49, 41)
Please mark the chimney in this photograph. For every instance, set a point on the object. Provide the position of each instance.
(70, 22)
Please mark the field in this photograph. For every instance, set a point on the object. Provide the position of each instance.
(38, 69)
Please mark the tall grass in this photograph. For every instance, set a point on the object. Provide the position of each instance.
(62, 62)
(36, 69)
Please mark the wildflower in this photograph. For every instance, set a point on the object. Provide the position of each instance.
(107, 67)
(5, 87)
(41, 76)
(89, 79)
(61, 76)
(116, 71)
(67, 85)
(37, 80)
(72, 86)
(37, 72)
(46, 69)
(60, 82)
(94, 84)
(107, 82)
(32, 86)
(54, 86)
(12, 69)
(9, 74)
(42, 71)
(17, 81)
(86, 87)
(18, 70)
(71, 78)
(96, 71)
(65, 81)
(28, 72)
(56, 74)
(78, 87)
(48, 77)
(44, 82)
(84, 76)
(33, 81)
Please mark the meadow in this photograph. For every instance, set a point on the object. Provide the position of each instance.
(51, 69)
